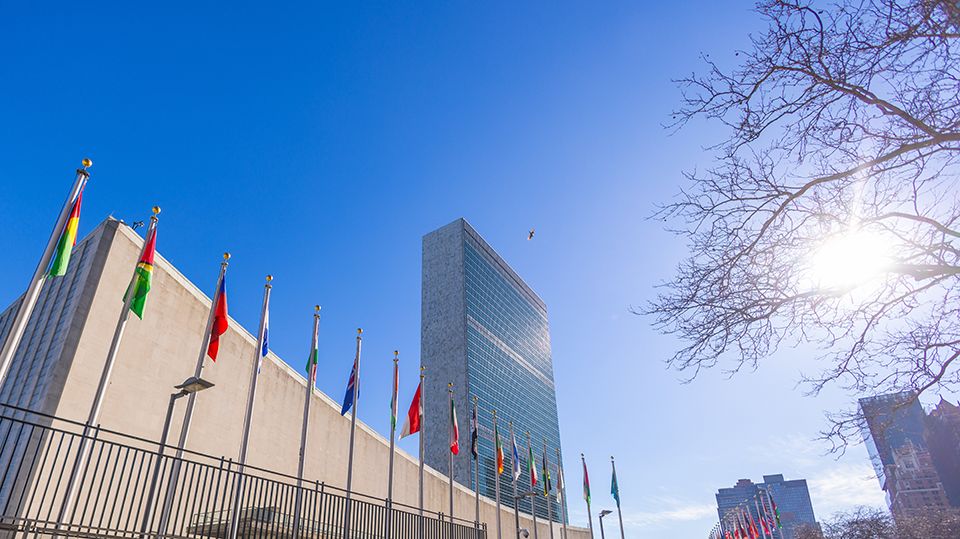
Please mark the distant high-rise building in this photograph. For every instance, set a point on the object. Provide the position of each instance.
(943, 438)
(792, 499)
(895, 432)
(486, 332)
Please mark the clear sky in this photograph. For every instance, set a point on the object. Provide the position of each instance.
(320, 142)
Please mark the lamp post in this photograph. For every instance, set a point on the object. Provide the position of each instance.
(516, 508)
(603, 513)
(189, 386)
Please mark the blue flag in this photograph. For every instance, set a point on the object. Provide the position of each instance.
(614, 488)
(348, 397)
(516, 459)
(266, 339)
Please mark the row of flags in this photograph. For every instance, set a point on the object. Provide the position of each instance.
(137, 293)
(740, 522)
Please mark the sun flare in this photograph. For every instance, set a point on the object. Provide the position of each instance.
(849, 260)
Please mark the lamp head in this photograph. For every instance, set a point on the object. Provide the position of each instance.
(194, 385)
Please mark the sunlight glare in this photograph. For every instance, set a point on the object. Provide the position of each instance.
(849, 260)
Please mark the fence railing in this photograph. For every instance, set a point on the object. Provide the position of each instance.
(127, 487)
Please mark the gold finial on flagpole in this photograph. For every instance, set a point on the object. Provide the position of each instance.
(359, 332)
(316, 309)
(396, 355)
(86, 162)
(226, 256)
(156, 210)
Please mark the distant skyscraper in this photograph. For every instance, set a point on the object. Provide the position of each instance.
(792, 499)
(895, 433)
(943, 438)
(485, 331)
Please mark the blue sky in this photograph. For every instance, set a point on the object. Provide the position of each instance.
(320, 142)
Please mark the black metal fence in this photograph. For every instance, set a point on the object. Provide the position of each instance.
(127, 488)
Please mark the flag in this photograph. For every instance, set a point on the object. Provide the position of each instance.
(351, 383)
(586, 484)
(266, 337)
(754, 533)
(515, 464)
(219, 325)
(546, 473)
(411, 424)
(559, 483)
(393, 400)
(68, 238)
(454, 429)
(614, 488)
(474, 434)
(531, 466)
(776, 512)
(499, 448)
(312, 363)
(144, 275)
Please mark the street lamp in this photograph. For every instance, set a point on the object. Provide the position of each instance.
(516, 512)
(194, 384)
(603, 513)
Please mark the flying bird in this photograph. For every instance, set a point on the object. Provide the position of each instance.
(530, 234)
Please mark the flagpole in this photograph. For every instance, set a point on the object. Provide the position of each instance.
(546, 487)
(422, 428)
(94, 416)
(353, 433)
(258, 356)
(450, 475)
(476, 467)
(756, 505)
(311, 383)
(191, 401)
(589, 516)
(496, 475)
(613, 464)
(393, 435)
(562, 490)
(533, 499)
(19, 324)
(516, 477)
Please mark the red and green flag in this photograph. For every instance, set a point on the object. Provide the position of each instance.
(143, 275)
(531, 466)
(68, 239)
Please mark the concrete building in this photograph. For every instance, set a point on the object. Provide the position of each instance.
(486, 331)
(943, 438)
(895, 434)
(59, 361)
(792, 499)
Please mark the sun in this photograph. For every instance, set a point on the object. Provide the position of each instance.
(849, 260)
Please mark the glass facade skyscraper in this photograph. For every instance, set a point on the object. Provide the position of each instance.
(486, 332)
(792, 499)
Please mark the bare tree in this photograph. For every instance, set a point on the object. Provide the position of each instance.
(872, 523)
(843, 135)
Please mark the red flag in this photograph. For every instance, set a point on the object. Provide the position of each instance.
(454, 429)
(219, 325)
(411, 425)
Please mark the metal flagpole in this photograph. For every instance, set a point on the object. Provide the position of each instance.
(619, 513)
(422, 426)
(770, 501)
(393, 436)
(97, 405)
(546, 487)
(515, 465)
(496, 474)
(533, 499)
(258, 356)
(19, 324)
(476, 466)
(191, 401)
(561, 493)
(450, 475)
(756, 505)
(353, 432)
(589, 516)
(311, 384)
